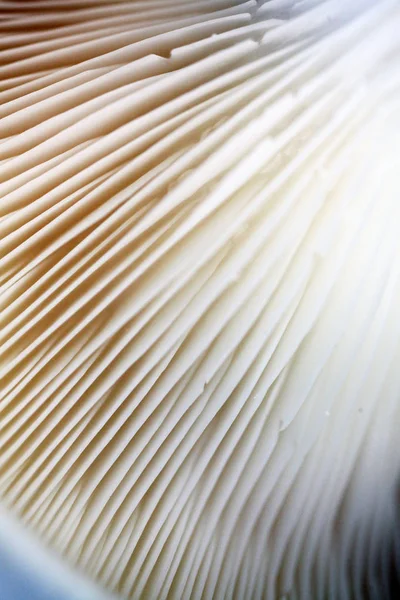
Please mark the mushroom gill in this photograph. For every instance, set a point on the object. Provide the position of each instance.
(200, 293)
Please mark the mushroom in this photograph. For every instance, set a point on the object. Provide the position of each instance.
(200, 295)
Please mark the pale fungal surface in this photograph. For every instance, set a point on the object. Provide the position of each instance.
(200, 294)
